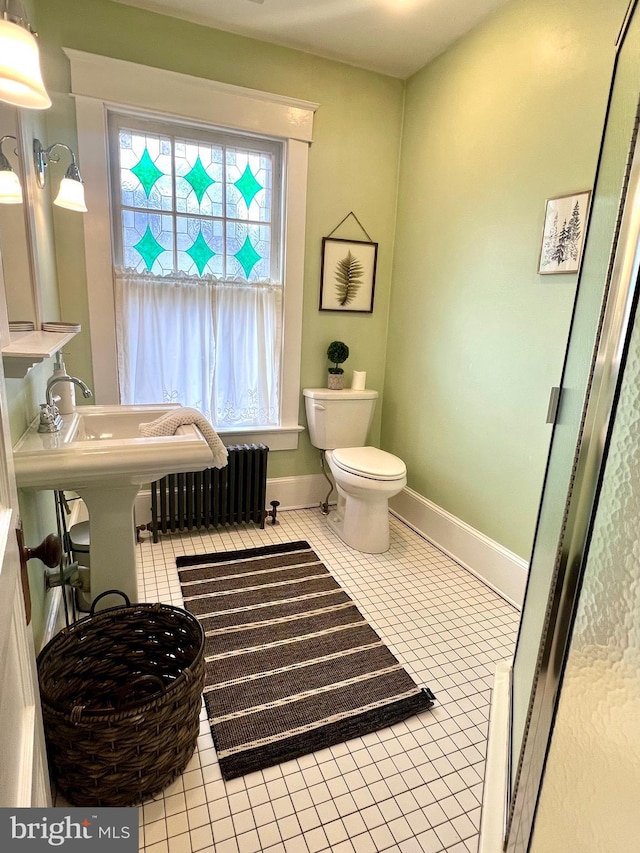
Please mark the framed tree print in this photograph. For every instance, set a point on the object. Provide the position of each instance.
(348, 275)
(563, 234)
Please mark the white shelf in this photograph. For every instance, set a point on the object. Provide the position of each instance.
(30, 348)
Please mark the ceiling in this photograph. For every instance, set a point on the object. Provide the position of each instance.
(394, 37)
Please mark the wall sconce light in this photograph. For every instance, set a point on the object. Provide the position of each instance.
(20, 76)
(71, 192)
(10, 187)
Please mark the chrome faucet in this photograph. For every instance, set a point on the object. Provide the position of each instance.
(50, 418)
(86, 391)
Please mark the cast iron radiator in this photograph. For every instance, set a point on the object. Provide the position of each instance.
(215, 496)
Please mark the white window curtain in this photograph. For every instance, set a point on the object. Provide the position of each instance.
(209, 344)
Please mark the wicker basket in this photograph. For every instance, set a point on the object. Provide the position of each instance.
(121, 698)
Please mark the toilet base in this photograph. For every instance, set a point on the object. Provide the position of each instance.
(363, 526)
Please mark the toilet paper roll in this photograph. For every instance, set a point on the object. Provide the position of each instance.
(359, 380)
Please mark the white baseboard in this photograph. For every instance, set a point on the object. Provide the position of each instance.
(494, 798)
(52, 615)
(142, 507)
(297, 492)
(499, 568)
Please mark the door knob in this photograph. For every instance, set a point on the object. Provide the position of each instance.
(49, 551)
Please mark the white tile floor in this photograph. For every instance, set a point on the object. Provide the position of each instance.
(415, 787)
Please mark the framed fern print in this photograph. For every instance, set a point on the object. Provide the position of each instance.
(348, 276)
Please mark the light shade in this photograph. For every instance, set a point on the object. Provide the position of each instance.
(20, 76)
(71, 195)
(10, 189)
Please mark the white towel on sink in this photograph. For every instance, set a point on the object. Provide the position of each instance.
(168, 423)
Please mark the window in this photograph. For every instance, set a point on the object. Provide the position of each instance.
(188, 108)
(197, 261)
(197, 202)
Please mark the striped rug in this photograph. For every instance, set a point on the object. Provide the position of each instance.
(291, 665)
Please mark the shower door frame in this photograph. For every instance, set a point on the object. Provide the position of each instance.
(621, 294)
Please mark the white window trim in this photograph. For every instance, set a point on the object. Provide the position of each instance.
(99, 83)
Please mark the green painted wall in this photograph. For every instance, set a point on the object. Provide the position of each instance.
(353, 164)
(512, 114)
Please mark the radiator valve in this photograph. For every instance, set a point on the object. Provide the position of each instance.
(274, 512)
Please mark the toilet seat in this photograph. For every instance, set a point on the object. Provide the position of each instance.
(369, 462)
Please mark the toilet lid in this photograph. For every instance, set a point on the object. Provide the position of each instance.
(369, 462)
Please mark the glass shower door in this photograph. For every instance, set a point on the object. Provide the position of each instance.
(591, 364)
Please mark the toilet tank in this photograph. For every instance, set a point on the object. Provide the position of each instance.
(339, 418)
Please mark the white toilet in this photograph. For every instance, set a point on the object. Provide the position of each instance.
(365, 477)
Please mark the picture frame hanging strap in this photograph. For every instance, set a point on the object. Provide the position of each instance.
(342, 221)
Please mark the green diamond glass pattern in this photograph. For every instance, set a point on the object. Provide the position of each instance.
(199, 179)
(149, 248)
(146, 172)
(200, 252)
(247, 257)
(223, 189)
(248, 185)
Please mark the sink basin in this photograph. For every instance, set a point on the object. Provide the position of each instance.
(103, 442)
(100, 454)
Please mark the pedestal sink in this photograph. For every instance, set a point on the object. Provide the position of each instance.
(100, 454)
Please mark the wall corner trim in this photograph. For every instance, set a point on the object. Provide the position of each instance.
(492, 563)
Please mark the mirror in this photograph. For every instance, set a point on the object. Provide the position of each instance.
(26, 230)
(14, 244)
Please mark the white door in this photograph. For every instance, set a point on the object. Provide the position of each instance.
(23, 769)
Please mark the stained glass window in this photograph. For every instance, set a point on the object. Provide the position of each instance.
(195, 201)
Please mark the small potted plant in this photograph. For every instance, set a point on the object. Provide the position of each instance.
(338, 352)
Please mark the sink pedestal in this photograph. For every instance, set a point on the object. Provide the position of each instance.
(112, 538)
